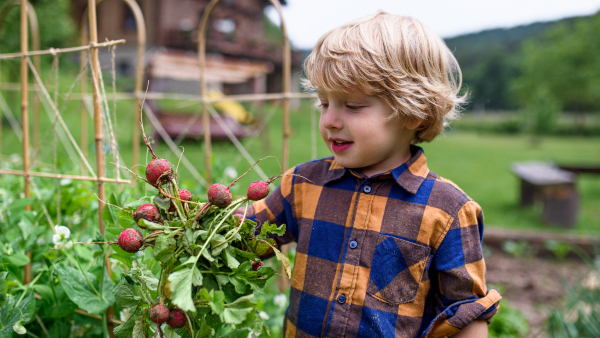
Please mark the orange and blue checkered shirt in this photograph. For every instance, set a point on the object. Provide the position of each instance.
(393, 255)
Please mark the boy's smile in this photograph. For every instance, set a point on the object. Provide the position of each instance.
(357, 131)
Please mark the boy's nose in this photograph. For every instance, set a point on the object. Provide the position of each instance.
(330, 118)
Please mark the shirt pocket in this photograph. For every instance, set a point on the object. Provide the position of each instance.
(397, 269)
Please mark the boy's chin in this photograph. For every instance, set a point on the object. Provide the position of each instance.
(346, 162)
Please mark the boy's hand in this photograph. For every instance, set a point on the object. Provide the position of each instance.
(477, 329)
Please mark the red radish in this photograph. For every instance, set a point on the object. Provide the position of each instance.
(158, 171)
(219, 195)
(131, 240)
(240, 217)
(148, 212)
(159, 314)
(258, 190)
(183, 195)
(177, 319)
(256, 265)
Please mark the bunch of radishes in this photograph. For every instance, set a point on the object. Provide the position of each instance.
(208, 256)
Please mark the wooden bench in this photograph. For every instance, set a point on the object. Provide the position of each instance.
(553, 186)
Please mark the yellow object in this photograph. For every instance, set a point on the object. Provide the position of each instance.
(168, 290)
(230, 108)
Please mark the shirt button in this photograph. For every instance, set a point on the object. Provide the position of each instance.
(367, 189)
(353, 245)
(341, 299)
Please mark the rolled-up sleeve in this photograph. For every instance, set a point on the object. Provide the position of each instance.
(458, 268)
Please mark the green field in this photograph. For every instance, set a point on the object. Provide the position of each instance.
(478, 162)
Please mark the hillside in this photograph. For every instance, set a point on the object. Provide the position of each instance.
(490, 60)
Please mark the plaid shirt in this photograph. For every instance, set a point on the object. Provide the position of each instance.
(393, 255)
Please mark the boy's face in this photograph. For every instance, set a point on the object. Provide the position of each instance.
(356, 130)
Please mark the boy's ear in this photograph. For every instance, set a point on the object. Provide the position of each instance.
(412, 124)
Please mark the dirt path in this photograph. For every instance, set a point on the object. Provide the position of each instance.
(533, 284)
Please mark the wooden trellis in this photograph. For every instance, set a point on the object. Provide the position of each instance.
(26, 65)
(89, 51)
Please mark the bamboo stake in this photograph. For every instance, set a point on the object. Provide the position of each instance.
(35, 37)
(203, 88)
(139, 75)
(187, 97)
(62, 50)
(93, 27)
(83, 60)
(284, 283)
(61, 176)
(25, 116)
(98, 137)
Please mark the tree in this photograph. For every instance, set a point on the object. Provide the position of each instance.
(566, 63)
(57, 28)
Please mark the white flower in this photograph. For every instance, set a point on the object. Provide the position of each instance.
(124, 315)
(264, 315)
(280, 300)
(18, 327)
(61, 235)
(254, 334)
(230, 172)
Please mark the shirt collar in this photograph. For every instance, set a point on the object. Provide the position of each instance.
(410, 175)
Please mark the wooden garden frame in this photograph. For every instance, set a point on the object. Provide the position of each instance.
(91, 44)
(27, 10)
(286, 84)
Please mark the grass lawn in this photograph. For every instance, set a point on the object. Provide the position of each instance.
(478, 163)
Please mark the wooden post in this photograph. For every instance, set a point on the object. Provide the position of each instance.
(25, 115)
(284, 282)
(83, 60)
(203, 88)
(139, 75)
(35, 43)
(98, 136)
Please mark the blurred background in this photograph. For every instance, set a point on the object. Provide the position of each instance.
(527, 147)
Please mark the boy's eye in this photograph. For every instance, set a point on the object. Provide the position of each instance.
(353, 107)
(324, 105)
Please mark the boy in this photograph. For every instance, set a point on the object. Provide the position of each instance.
(386, 248)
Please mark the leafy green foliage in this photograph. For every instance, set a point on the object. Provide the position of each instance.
(565, 63)
(84, 289)
(579, 315)
(508, 323)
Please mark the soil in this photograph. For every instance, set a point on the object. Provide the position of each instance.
(533, 285)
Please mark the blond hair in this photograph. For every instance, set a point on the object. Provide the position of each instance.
(397, 59)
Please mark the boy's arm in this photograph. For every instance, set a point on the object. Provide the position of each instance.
(477, 329)
(458, 272)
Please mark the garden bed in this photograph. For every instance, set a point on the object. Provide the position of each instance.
(533, 285)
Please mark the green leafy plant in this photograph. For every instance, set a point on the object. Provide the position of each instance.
(579, 315)
(508, 323)
(518, 249)
(201, 264)
(559, 249)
